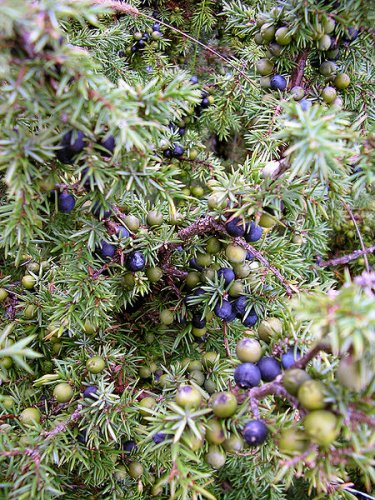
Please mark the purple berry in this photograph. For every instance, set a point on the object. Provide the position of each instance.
(247, 375)
(253, 232)
(122, 232)
(224, 310)
(136, 261)
(289, 358)
(269, 368)
(235, 227)
(278, 82)
(255, 432)
(66, 202)
(250, 319)
(90, 391)
(107, 250)
(227, 274)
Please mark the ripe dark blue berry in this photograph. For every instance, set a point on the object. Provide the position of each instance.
(194, 80)
(352, 34)
(205, 102)
(129, 446)
(109, 143)
(136, 261)
(177, 151)
(90, 391)
(159, 437)
(227, 274)
(107, 250)
(247, 375)
(235, 227)
(250, 319)
(269, 368)
(167, 153)
(181, 131)
(100, 212)
(278, 82)
(82, 436)
(198, 321)
(305, 104)
(289, 358)
(253, 232)
(156, 27)
(255, 432)
(194, 264)
(239, 305)
(122, 232)
(66, 202)
(249, 256)
(71, 144)
(224, 310)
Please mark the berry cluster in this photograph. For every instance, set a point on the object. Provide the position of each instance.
(74, 142)
(151, 35)
(274, 32)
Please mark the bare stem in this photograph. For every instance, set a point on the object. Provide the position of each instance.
(346, 258)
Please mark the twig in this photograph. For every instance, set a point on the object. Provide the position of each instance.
(359, 236)
(297, 75)
(226, 344)
(128, 9)
(207, 225)
(121, 8)
(299, 458)
(302, 362)
(62, 426)
(345, 258)
(258, 255)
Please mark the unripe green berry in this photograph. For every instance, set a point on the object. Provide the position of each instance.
(154, 218)
(135, 470)
(166, 317)
(311, 395)
(268, 32)
(30, 416)
(215, 457)
(329, 25)
(329, 94)
(264, 66)
(235, 254)
(342, 81)
(147, 403)
(216, 201)
(3, 294)
(204, 259)
(154, 274)
(28, 282)
(248, 350)
(283, 36)
(269, 327)
(293, 379)
(96, 364)
(89, 328)
(233, 444)
(321, 426)
(213, 246)
(297, 93)
(293, 442)
(324, 43)
(188, 397)
(131, 222)
(63, 392)
(223, 404)
(214, 432)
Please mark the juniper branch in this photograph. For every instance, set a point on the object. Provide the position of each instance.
(345, 259)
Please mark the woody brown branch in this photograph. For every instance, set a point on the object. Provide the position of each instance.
(208, 225)
(345, 259)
